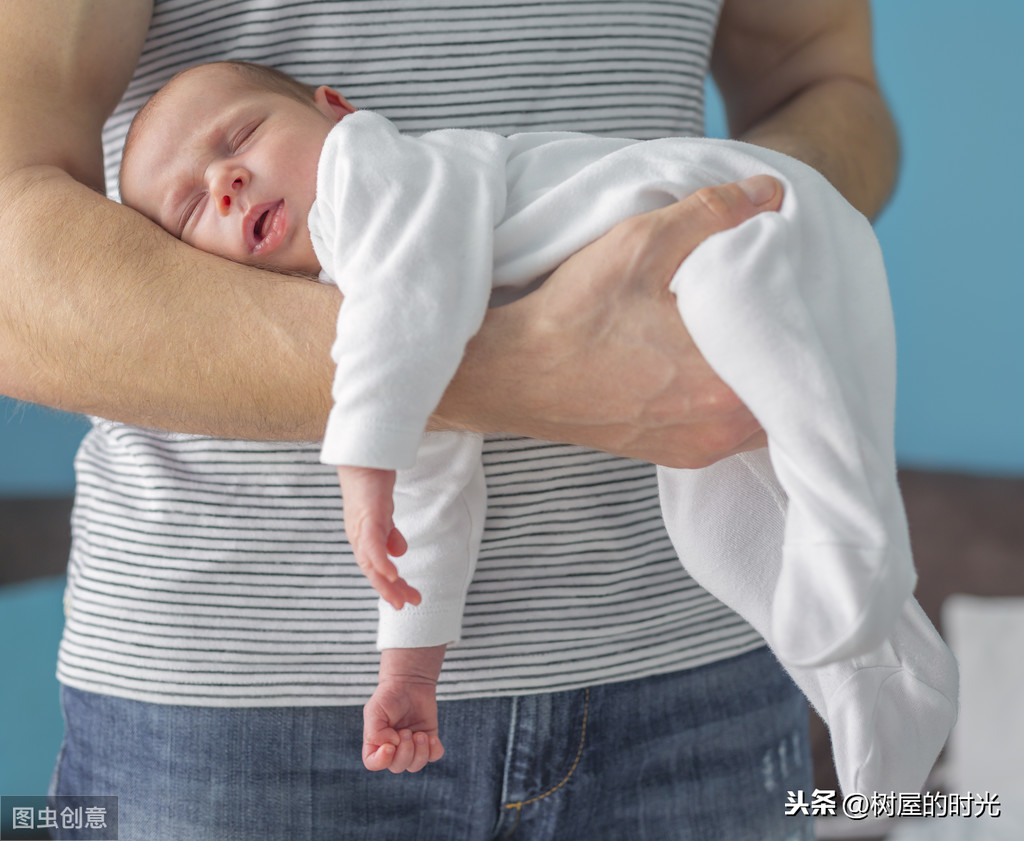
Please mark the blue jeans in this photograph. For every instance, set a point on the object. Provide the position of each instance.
(704, 754)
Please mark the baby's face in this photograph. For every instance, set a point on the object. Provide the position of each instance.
(232, 170)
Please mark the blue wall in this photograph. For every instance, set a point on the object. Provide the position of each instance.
(953, 74)
(31, 726)
(36, 450)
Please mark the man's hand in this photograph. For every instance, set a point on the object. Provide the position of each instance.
(600, 355)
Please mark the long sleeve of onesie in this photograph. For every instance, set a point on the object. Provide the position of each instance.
(404, 226)
(440, 503)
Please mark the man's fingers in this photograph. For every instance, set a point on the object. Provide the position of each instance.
(754, 442)
(687, 223)
(733, 203)
(714, 209)
(762, 191)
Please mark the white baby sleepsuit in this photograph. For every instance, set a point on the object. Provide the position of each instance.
(791, 310)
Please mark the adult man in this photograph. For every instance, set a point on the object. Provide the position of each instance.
(207, 618)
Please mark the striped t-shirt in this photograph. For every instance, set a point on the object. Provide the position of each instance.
(216, 572)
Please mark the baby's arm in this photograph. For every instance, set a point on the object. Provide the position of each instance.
(370, 527)
(400, 730)
(404, 226)
(441, 504)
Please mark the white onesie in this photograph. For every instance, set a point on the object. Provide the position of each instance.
(791, 309)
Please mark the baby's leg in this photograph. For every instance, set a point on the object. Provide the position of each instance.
(368, 495)
(791, 310)
(889, 711)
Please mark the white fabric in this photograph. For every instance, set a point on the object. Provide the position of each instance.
(378, 243)
(982, 763)
(889, 710)
(792, 311)
(790, 308)
(440, 502)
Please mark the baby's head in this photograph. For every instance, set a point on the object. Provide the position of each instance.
(224, 157)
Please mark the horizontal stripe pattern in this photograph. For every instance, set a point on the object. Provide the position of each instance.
(216, 572)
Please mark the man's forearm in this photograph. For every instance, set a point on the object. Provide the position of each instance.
(842, 128)
(799, 77)
(107, 315)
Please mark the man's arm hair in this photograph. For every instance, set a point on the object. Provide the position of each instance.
(103, 313)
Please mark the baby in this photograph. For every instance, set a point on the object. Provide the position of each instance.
(806, 540)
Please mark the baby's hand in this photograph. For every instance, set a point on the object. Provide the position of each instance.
(369, 524)
(400, 730)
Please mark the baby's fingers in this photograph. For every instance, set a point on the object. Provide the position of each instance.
(395, 593)
(371, 550)
(436, 749)
(382, 573)
(372, 557)
(378, 757)
(411, 754)
(396, 544)
(379, 741)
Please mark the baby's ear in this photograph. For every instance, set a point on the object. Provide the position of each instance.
(331, 103)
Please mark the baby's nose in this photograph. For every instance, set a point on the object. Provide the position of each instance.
(224, 203)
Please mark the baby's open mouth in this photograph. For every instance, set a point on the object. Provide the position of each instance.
(258, 229)
(266, 227)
